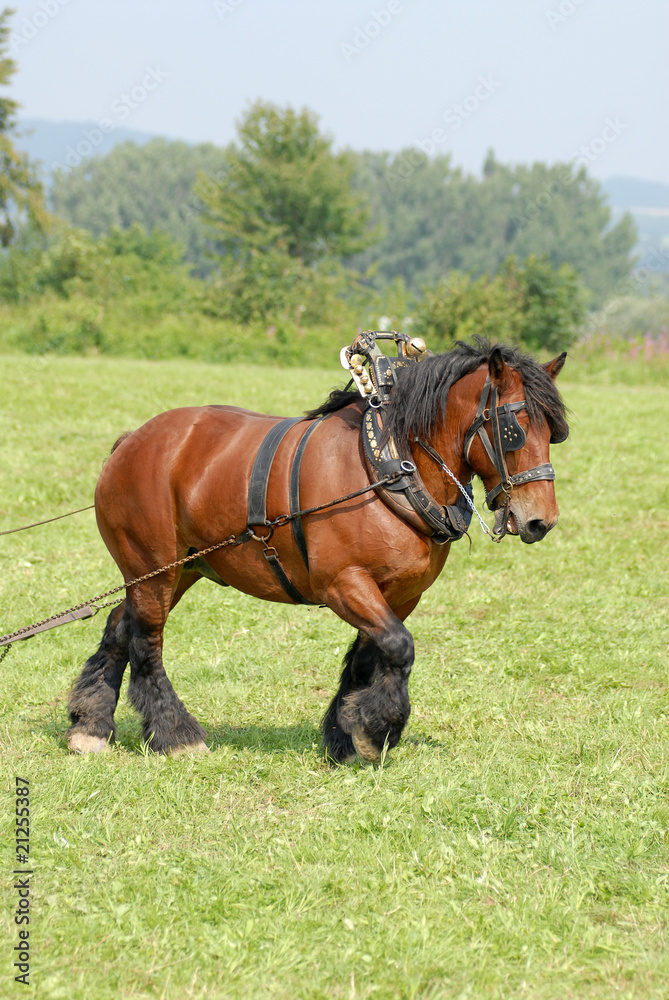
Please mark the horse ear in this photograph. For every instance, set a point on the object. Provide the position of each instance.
(555, 366)
(497, 368)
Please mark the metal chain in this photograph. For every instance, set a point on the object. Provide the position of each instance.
(231, 540)
(470, 502)
(436, 457)
(114, 590)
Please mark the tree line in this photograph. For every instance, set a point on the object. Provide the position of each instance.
(280, 226)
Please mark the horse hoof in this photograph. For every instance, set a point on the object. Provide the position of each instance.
(191, 748)
(79, 742)
(364, 746)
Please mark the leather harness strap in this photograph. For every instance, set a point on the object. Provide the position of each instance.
(507, 435)
(407, 495)
(257, 499)
(257, 502)
(294, 491)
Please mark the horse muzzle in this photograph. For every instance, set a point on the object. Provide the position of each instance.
(530, 529)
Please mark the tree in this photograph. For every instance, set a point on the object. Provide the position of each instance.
(150, 184)
(284, 207)
(21, 194)
(436, 219)
(535, 304)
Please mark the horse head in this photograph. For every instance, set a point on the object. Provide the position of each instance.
(518, 416)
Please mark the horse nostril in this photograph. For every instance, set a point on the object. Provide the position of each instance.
(537, 528)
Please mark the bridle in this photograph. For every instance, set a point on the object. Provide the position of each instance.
(507, 435)
(407, 494)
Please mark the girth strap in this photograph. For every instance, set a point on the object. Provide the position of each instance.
(296, 523)
(273, 561)
(257, 499)
(257, 503)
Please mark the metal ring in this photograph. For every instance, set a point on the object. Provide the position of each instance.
(407, 467)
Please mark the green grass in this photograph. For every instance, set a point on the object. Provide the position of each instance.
(515, 844)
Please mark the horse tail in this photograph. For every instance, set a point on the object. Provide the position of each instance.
(120, 440)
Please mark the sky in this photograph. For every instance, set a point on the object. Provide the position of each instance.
(533, 79)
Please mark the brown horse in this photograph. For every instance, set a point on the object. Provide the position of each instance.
(180, 483)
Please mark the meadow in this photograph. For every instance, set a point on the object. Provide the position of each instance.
(515, 843)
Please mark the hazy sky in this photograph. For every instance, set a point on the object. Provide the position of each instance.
(534, 79)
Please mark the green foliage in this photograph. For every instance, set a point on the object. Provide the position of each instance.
(282, 215)
(150, 185)
(514, 845)
(74, 264)
(284, 189)
(534, 305)
(21, 193)
(436, 219)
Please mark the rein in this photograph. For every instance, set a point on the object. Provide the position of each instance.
(37, 524)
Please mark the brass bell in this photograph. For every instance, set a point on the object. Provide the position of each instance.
(358, 369)
(416, 347)
(369, 389)
(364, 378)
(357, 359)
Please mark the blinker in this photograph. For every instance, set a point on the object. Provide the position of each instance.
(512, 435)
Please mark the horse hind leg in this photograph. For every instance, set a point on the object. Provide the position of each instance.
(167, 726)
(95, 694)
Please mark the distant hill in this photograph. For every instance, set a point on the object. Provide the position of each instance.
(631, 193)
(648, 201)
(68, 143)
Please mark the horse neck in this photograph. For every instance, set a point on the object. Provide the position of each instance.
(448, 438)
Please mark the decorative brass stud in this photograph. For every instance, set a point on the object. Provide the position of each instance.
(358, 359)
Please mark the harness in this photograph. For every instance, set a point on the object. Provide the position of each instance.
(392, 470)
(257, 499)
(507, 435)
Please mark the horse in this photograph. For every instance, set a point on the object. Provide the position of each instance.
(179, 484)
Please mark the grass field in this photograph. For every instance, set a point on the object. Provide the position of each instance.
(515, 844)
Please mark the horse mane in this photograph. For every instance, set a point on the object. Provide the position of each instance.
(420, 397)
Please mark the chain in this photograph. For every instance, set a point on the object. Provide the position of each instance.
(231, 540)
(435, 456)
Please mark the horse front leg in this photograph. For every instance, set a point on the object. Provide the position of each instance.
(372, 704)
